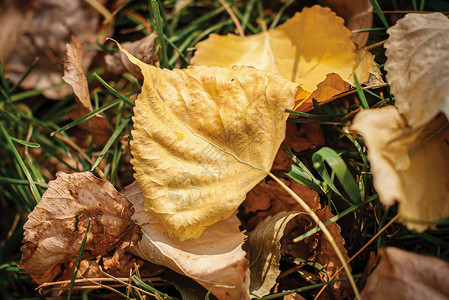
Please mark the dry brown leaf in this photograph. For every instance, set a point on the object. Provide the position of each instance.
(216, 258)
(203, 137)
(298, 138)
(358, 14)
(406, 275)
(51, 27)
(263, 247)
(409, 166)
(75, 77)
(418, 67)
(57, 225)
(268, 199)
(143, 49)
(14, 18)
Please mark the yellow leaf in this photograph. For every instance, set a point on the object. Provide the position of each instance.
(409, 166)
(203, 137)
(304, 49)
(418, 66)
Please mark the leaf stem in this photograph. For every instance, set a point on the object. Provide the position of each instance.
(323, 228)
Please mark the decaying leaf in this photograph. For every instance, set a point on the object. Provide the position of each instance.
(418, 67)
(268, 199)
(409, 166)
(143, 49)
(57, 225)
(216, 258)
(75, 77)
(203, 137)
(304, 49)
(51, 27)
(263, 247)
(407, 275)
(357, 14)
(14, 18)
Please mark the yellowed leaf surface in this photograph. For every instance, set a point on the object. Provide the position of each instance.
(418, 67)
(216, 258)
(407, 275)
(304, 49)
(409, 166)
(264, 246)
(203, 137)
(57, 225)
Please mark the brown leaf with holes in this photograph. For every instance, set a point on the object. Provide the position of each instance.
(74, 75)
(57, 225)
(405, 275)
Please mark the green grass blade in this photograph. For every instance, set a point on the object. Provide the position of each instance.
(379, 12)
(86, 117)
(12, 148)
(338, 166)
(111, 140)
(78, 261)
(163, 58)
(113, 91)
(25, 143)
(360, 92)
(148, 287)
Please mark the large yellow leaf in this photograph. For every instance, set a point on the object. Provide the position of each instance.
(418, 66)
(203, 137)
(409, 166)
(304, 49)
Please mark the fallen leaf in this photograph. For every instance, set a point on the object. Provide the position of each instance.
(407, 275)
(143, 49)
(417, 66)
(216, 258)
(322, 47)
(409, 166)
(57, 225)
(75, 77)
(203, 137)
(357, 15)
(298, 138)
(15, 17)
(263, 247)
(51, 27)
(268, 199)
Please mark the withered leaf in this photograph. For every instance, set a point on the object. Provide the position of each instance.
(409, 166)
(57, 225)
(202, 138)
(263, 247)
(51, 27)
(75, 77)
(417, 66)
(216, 258)
(407, 275)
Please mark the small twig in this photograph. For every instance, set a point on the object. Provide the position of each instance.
(233, 17)
(360, 251)
(369, 47)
